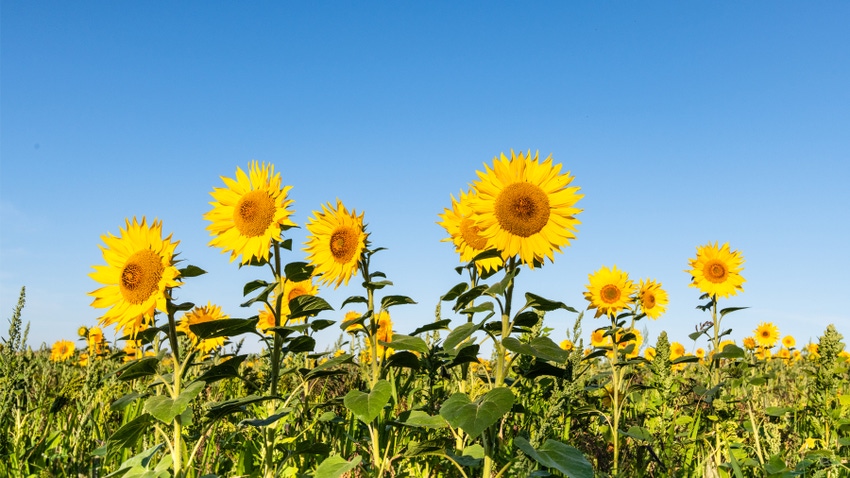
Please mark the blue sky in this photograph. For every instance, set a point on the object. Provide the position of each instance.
(683, 123)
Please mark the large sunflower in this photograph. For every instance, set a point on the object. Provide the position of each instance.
(653, 299)
(524, 208)
(335, 243)
(609, 291)
(766, 334)
(247, 214)
(139, 268)
(199, 315)
(716, 270)
(465, 234)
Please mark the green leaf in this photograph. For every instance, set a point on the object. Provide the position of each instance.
(407, 342)
(469, 296)
(302, 343)
(730, 351)
(455, 292)
(694, 335)
(264, 422)
(540, 347)
(529, 318)
(220, 409)
(355, 299)
(775, 465)
(418, 418)
(403, 359)
(342, 359)
(729, 310)
(321, 324)
(224, 328)
(500, 287)
(475, 417)
(130, 432)
(262, 296)
(305, 305)
(138, 368)
(392, 300)
(297, 271)
(777, 411)
(485, 307)
(335, 466)
(227, 369)
(459, 334)
(438, 325)
(191, 271)
(165, 409)
(638, 433)
(539, 303)
(367, 406)
(557, 455)
(122, 402)
(138, 465)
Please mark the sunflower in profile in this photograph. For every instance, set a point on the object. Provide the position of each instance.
(335, 244)
(291, 290)
(199, 315)
(248, 214)
(649, 353)
(652, 298)
(525, 208)
(384, 333)
(609, 291)
(464, 233)
(749, 343)
(139, 270)
(676, 350)
(599, 339)
(62, 350)
(766, 334)
(716, 271)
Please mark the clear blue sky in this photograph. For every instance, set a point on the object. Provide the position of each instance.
(682, 122)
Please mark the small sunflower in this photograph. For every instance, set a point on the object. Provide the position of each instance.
(248, 214)
(676, 350)
(649, 353)
(652, 298)
(766, 334)
(139, 269)
(599, 339)
(788, 342)
(716, 271)
(336, 242)
(609, 291)
(749, 343)
(567, 345)
(525, 208)
(199, 315)
(465, 234)
(291, 290)
(62, 350)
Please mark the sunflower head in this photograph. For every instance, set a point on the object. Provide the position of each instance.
(289, 290)
(200, 315)
(766, 334)
(676, 350)
(716, 271)
(62, 350)
(609, 291)
(139, 269)
(788, 342)
(567, 345)
(652, 298)
(525, 208)
(335, 243)
(599, 339)
(249, 213)
(465, 234)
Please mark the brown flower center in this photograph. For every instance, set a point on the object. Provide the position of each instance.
(715, 271)
(140, 276)
(522, 209)
(648, 300)
(469, 231)
(610, 294)
(343, 244)
(254, 213)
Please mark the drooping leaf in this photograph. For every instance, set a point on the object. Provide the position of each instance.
(324, 367)
(302, 343)
(540, 347)
(403, 359)
(355, 299)
(391, 300)
(367, 406)
(539, 303)
(220, 409)
(474, 417)
(305, 305)
(418, 418)
(438, 325)
(335, 466)
(455, 292)
(227, 369)
(165, 408)
(459, 334)
(138, 368)
(191, 271)
(130, 432)
(297, 271)
(224, 328)
(559, 456)
(407, 342)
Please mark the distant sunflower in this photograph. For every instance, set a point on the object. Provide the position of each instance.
(653, 299)
(336, 242)
(649, 353)
(465, 234)
(567, 345)
(766, 334)
(62, 350)
(524, 208)
(676, 350)
(609, 291)
(139, 269)
(199, 315)
(717, 270)
(749, 343)
(291, 290)
(788, 341)
(248, 214)
(385, 332)
(599, 339)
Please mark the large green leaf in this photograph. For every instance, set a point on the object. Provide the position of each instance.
(367, 406)
(475, 417)
(165, 409)
(392, 300)
(540, 347)
(138, 368)
(539, 303)
(305, 305)
(220, 409)
(406, 342)
(335, 466)
(130, 432)
(418, 418)
(297, 271)
(554, 454)
(224, 328)
(438, 325)
(459, 334)
(227, 369)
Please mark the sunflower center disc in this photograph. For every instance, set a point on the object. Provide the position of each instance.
(254, 213)
(140, 276)
(715, 272)
(469, 232)
(522, 209)
(648, 301)
(610, 294)
(343, 244)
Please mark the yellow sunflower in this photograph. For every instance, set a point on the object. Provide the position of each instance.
(524, 208)
(599, 339)
(788, 342)
(132, 350)
(749, 343)
(649, 353)
(200, 315)
(139, 269)
(609, 291)
(385, 331)
(766, 334)
(676, 350)
(336, 242)
(653, 299)
(464, 233)
(248, 214)
(567, 345)
(62, 350)
(716, 271)
(291, 290)
(96, 342)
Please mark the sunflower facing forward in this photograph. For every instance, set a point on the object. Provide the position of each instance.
(336, 242)
(139, 269)
(716, 271)
(248, 214)
(199, 315)
(465, 234)
(766, 334)
(524, 208)
(609, 291)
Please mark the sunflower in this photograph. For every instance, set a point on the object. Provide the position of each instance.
(524, 208)
(676, 350)
(199, 315)
(336, 242)
(599, 339)
(649, 353)
(83, 331)
(132, 350)
(653, 299)
(385, 331)
(567, 345)
(351, 316)
(609, 291)
(749, 343)
(139, 269)
(464, 233)
(248, 214)
(788, 342)
(716, 271)
(96, 341)
(766, 334)
(291, 290)
(62, 350)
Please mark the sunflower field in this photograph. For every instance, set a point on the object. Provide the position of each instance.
(483, 390)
